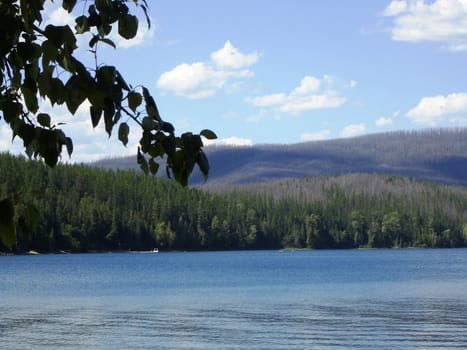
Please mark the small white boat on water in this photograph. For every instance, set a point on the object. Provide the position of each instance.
(155, 250)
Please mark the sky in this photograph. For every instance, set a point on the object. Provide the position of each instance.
(286, 71)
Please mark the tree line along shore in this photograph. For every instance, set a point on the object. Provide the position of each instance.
(85, 209)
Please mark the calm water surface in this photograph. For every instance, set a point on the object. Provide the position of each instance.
(365, 299)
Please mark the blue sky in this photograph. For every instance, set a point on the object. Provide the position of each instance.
(262, 71)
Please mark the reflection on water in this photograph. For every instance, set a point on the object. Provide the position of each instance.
(363, 324)
(400, 299)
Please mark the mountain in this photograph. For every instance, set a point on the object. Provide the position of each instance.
(436, 154)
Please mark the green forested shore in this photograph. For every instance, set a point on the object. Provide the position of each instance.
(89, 209)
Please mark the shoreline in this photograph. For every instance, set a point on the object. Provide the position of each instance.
(63, 252)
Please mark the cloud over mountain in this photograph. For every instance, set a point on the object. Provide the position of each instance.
(311, 93)
(431, 110)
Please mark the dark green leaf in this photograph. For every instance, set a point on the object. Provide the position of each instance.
(191, 142)
(121, 82)
(146, 141)
(16, 80)
(11, 111)
(167, 127)
(74, 100)
(49, 145)
(30, 99)
(108, 42)
(123, 132)
(155, 150)
(49, 53)
(149, 124)
(93, 41)
(97, 97)
(134, 100)
(32, 10)
(7, 223)
(61, 36)
(169, 145)
(151, 107)
(76, 92)
(180, 168)
(128, 26)
(109, 111)
(28, 51)
(106, 76)
(117, 116)
(92, 10)
(57, 93)
(82, 24)
(44, 120)
(44, 83)
(96, 114)
(66, 62)
(69, 5)
(102, 5)
(69, 146)
(32, 71)
(25, 131)
(203, 164)
(210, 135)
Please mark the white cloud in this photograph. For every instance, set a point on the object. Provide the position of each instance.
(305, 103)
(383, 121)
(353, 130)
(431, 110)
(395, 7)
(204, 79)
(309, 95)
(458, 121)
(268, 100)
(317, 136)
(58, 16)
(230, 57)
(182, 124)
(308, 85)
(196, 80)
(6, 143)
(442, 21)
(229, 141)
(236, 141)
(262, 114)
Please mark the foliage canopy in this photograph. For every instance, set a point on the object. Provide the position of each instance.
(91, 209)
(38, 61)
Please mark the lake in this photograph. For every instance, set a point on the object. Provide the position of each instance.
(348, 299)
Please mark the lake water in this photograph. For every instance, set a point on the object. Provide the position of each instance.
(356, 299)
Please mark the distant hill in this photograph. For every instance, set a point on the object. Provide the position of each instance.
(437, 155)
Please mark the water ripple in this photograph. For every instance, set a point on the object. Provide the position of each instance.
(356, 324)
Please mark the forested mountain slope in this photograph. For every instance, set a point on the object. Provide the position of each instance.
(91, 209)
(437, 155)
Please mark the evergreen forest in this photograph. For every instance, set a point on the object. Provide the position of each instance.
(84, 209)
